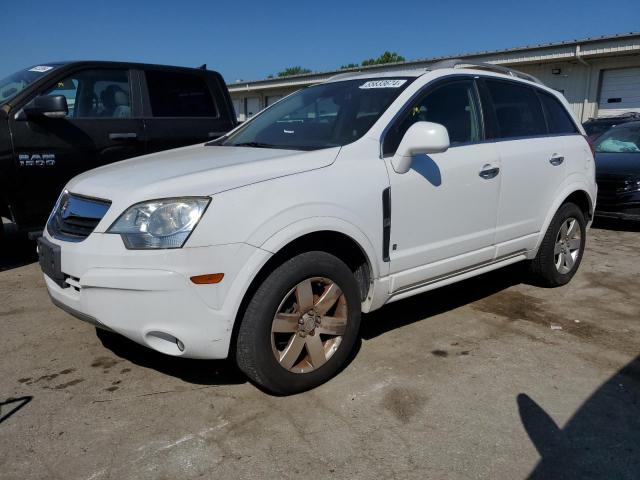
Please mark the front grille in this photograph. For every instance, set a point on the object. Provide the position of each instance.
(75, 217)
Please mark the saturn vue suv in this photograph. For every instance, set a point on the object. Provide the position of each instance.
(267, 244)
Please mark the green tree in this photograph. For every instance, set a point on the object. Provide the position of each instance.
(293, 71)
(386, 57)
(349, 65)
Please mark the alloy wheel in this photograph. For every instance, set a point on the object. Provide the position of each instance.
(567, 245)
(309, 324)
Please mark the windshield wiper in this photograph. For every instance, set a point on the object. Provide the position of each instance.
(253, 144)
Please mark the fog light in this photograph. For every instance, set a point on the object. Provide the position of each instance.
(180, 345)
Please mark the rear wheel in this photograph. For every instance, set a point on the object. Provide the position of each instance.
(561, 250)
(301, 324)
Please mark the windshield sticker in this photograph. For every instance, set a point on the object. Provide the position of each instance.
(383, 84)
(41, 69)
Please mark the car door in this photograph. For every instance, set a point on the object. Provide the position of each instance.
(532, 162)
(101, 127)
(182, 108)
(443, 211)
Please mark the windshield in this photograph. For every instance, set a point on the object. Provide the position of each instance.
(14, 84)
(621, 139)
(328, 115)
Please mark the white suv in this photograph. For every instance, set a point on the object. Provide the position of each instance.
(267, 244)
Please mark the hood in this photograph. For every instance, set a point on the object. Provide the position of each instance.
(197, 170)
(623, 164)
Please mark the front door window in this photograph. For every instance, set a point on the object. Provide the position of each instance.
(96, 94)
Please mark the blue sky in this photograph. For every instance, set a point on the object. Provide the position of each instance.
(251, 39)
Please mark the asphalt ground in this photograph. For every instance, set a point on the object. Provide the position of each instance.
(489, 378)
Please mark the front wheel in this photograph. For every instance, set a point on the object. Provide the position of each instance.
(301, 324)
(560, 253)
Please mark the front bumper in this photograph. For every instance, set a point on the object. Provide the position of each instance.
(147, 296)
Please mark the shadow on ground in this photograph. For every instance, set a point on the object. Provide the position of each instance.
(616, 225)
(11, 406)
(441, 300)
(601, 440)
(199, 372)
(16, 251)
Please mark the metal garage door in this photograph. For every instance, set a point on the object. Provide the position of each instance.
(238, 106)
(619, 92)
(271, 99)
(253, 106)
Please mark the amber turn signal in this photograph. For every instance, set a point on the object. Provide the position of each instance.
(207, 279)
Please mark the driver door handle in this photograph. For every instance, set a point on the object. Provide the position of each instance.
(123, 136)
(489, 171)
(556, 159)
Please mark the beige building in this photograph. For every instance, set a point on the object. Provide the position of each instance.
(599, 76)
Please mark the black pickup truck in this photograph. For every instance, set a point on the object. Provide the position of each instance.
(60, 119)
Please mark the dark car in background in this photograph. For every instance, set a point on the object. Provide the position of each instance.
(618, 172)
(60, 119)
(597, 126)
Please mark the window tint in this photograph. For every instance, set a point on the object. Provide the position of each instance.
(518, 110)
(453, 105)
(179, 95)
(95, 93)
(558, 118)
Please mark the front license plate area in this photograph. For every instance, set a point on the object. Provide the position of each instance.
(49, 259)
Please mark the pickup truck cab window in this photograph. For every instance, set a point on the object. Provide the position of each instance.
(328, 115)
(175, 94)
(95, 93)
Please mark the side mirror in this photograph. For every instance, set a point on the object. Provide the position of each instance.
(51, 106)
(420, 138)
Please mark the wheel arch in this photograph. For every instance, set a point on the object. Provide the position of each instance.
(333, 241)
(575, 193)
(330, 240)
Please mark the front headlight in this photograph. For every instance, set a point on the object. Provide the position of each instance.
(165, 223)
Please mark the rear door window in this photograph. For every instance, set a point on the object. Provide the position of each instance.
(179, 94)
(558, 119)
(517, 109)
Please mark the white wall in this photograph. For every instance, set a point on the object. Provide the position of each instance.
(580, 83)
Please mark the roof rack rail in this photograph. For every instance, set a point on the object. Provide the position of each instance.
(456, 62)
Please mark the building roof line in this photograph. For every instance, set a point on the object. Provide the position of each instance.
(302, 78)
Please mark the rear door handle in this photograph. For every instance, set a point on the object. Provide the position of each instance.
(556, 160)
(489, 171)
(123, 136)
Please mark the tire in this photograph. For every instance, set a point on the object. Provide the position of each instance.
(266, 347)
(560, 253)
